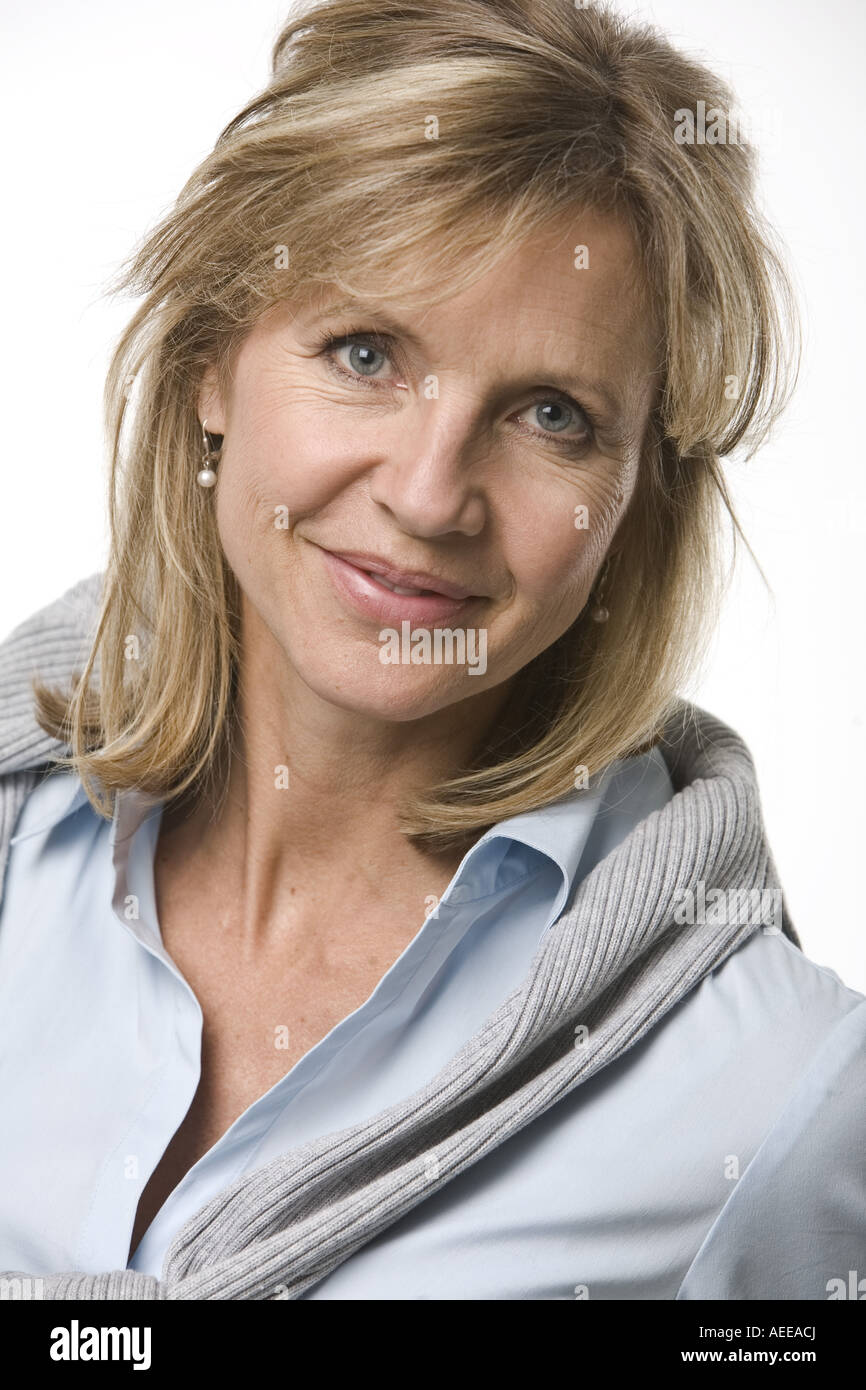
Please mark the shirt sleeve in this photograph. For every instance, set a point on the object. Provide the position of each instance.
(794, 1226)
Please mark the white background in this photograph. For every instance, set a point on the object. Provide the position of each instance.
(108, 107)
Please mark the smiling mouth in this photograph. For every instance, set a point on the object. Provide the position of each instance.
(404, 582)
(379, 591)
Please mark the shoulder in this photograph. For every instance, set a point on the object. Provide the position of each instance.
(795, 1222)
(68, 609)
(771, 987)
(760, 1019)
(50, 644)
(71, 613)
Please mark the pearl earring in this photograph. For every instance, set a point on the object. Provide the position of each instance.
(206, 477)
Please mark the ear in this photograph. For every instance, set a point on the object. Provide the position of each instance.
(211, 406)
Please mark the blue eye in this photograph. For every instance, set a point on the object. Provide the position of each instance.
(553, 415)
(366, 355)
(556, 417)
(364, 359)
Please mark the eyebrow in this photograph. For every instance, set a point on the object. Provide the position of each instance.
(615, 410)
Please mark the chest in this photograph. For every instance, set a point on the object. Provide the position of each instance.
(261, 1017)
(263, 1009)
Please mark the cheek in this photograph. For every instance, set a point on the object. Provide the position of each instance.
(556, 537)
(283, 460)
(241, 501)
(554, 574)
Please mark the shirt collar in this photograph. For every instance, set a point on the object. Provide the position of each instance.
(61, 794)
(557, 833)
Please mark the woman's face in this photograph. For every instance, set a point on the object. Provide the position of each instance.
(477, 456)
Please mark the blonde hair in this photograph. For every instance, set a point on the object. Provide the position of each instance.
(543, 108)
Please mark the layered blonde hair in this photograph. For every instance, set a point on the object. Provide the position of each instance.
(542, 108)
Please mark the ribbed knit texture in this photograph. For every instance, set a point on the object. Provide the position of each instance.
(614, 962)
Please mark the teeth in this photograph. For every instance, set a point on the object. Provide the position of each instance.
(395, 588)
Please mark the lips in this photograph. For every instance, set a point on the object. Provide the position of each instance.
(377, 590)
(409, 582)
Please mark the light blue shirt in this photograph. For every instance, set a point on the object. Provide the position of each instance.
(639, 1184)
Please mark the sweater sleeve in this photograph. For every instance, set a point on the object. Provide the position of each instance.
(794, 1226)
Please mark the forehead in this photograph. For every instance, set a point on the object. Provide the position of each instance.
(573, 295)
(581, 267)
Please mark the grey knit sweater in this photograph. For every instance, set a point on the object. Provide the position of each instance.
(614, 961)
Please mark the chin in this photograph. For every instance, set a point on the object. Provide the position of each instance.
(391, 695)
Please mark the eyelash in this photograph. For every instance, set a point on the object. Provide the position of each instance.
(328, 342)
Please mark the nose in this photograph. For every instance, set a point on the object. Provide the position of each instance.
(429, 475)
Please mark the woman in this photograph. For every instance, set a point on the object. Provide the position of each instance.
(389, 924)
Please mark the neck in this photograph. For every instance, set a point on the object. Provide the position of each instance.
(310, 818)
